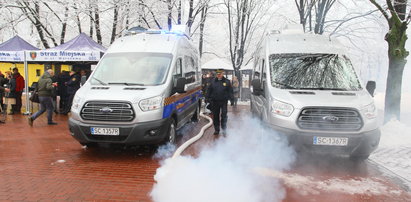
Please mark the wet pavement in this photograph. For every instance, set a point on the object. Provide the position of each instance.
(44, 163)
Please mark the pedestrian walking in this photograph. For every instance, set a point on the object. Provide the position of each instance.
(72, 86)
(218, 94)
(18, 91)
(45, 90)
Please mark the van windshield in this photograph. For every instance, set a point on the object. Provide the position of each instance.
(313, 71)
(142, 69)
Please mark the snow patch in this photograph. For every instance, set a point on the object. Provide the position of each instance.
(309, 185)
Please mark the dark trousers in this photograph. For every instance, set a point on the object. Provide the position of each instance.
(46, 103)
(17, 107)
(219, 108)
(63, 103)
(69, 103)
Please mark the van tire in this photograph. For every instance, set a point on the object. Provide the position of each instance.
(196, 115)
(171, 132)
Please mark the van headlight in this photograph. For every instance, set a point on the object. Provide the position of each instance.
(151, 103)
(76, 102)
(282, 108)
(370, 111)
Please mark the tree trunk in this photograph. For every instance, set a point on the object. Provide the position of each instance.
(97, 24)
(64, 26)
(393, 95)
(77, 13)
(115, 21)
(169, 16)
(91, 18)
(397, 53)
(190, 15)
(179, 13)
(202, 24)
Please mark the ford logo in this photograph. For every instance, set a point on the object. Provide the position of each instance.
(106, 110)
(330, 118)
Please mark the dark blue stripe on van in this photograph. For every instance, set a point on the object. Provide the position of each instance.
(181, 104)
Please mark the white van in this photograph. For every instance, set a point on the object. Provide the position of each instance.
(144, 88)
(305, 87)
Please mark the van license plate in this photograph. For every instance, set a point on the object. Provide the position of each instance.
(105, 131)
(333, 141)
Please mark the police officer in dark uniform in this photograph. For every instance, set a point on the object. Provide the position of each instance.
(72, 86)
(218, 94)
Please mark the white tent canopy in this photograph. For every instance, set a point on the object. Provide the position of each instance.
(249, 66)
(217, 63)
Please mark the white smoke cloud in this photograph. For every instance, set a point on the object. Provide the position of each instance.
(224, 172)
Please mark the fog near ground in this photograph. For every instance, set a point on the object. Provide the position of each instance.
(225, 170)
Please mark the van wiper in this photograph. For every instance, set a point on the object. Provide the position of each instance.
(125, 83)
(336, 89)
(101, 82)
(285, 85)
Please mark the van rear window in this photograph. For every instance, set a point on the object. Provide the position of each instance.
(313, 71)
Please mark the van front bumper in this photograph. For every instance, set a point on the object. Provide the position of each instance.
(359, 144)
(130, 134)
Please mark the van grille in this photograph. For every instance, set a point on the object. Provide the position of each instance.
(108, 111)
(331, 119)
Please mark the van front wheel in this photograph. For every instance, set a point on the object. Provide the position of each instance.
(171, 133)
(196, 115)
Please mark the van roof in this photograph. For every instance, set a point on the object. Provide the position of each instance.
(292, 42)
(146, 42)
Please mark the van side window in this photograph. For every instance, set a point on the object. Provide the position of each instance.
(190, 70)
(178, 73)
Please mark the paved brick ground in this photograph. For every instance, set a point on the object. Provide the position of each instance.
(44, 163)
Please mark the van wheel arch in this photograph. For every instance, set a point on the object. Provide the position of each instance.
(171, 131)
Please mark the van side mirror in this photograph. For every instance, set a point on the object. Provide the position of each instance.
(257, 90)
(371, 85)
(180, 86)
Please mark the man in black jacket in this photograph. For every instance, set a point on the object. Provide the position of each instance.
(72, 86)
(218, 94)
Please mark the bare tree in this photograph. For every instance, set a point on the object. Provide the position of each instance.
(396, 37)
(33, 14)
(115, 21)
(304, 8)
(319, 7)
(243, 17)
(321, 10)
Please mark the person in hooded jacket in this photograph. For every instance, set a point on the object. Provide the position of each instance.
(45, 91)
(218, 94)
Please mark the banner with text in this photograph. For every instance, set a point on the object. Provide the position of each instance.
(33, 56)
(12, 56)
